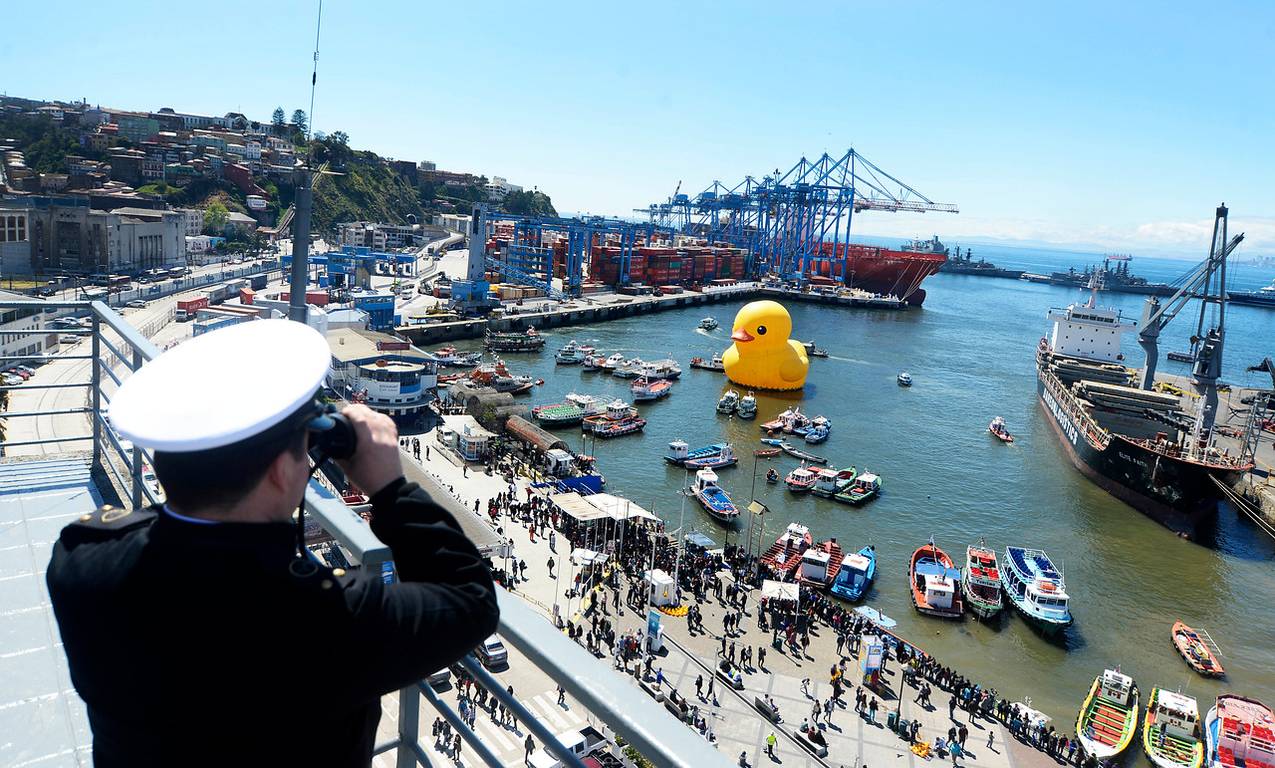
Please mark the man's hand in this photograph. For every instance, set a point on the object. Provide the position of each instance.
(375, 463)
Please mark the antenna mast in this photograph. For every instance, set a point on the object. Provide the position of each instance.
(304, 178)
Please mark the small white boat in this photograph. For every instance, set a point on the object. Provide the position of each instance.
(728, 402)
(747, 407)
(708, 324)
(611, 363)
(905, 379)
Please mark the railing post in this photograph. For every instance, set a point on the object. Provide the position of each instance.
(136, 458)
(95, 391)
(409, 730)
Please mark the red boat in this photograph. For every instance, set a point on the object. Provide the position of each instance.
(820, 564)
(785, 554)
(879, 270)
(936, 583)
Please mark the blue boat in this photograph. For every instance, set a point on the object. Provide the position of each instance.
(857, 573)
(1035, 588)
(817, 435)
(680, 453)
(712, 497)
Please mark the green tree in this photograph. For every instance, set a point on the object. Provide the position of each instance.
(340, 137)
(278, 118)
(533, 203)
(215, 216)
(299, 120)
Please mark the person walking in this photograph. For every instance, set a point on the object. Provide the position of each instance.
(530, 746)
(872, 710)
(951, 708)
(990, 735)
(699, 686)
(771, 740)
(761, 657)
(962, 734)
(562, 696)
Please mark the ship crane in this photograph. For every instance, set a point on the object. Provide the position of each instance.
(1206, 282)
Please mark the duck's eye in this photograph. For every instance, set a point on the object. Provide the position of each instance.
(761, 330)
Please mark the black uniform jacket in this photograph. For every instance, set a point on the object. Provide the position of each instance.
(198, 645)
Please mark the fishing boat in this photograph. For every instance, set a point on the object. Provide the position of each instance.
(619, 419)
(904, 379)
(797, 423)
(592, 362)
(1171, 730)
(499, 378)
(777, 424)
(611, 363)
(747, 407)
(814, 351)
(557, 415)
(679, 452)
(590, 404)
(651, 389)
(661, 369)
(766, 453)
(981, 581)
(1035, 588)
(797, 453)
(527, 341)
(936, 584)
(712, 497)
(449, 356)
(857, 573)
(772, 477)
(714, 364)
(1197, 649)
(629, 369)
(818, 434)
(829, 481)
(864, 488)
(1239, 733)
(1109, 716)
(785, 554)
(571, 354)
(820, 564)
(999, 430)
(728, 402)
(724, 458)
(800, 480)
(708, 324)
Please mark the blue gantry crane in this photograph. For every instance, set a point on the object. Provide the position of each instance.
(789, 222)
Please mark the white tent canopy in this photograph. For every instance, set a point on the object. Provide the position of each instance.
(780, 590)
(587, 556)
(615, 507)
(574, 505)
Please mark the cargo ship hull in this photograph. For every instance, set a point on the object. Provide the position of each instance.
(878, 270)
(1175, 493)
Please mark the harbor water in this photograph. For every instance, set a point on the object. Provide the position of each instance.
(970, 351)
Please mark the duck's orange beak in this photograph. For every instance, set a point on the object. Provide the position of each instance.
(740, 334)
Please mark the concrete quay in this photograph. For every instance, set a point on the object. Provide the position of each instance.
(737, 726)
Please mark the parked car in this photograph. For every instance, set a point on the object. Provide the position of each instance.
(10, 380)
(136, 304)
(440, 679)
(491, 652)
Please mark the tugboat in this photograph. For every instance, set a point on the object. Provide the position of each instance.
(651, 389)
(864, 488)
(820, 564)
(712, 498)
(1171, 730)
(981, 580)
(728, 402)
(1238, 732)
(785, 554)
(830, 481)
(708, 324)
(620, 419)
(715, 364)
(747, 408)
(1036, 588)
(936, 587)
(529, 341)
(857, 573)
(1109, 716)
(814, 351)
(800, 480)
(999, 430)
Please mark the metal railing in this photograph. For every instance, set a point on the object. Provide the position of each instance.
(117, 349)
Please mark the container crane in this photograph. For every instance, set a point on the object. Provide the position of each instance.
(1207, 282)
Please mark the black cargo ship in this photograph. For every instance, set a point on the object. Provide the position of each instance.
(1134, 443)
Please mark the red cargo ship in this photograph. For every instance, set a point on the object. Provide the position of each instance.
(879, 270)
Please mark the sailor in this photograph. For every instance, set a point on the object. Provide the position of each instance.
(201, 631)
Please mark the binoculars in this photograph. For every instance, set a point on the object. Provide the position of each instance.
(332, 435)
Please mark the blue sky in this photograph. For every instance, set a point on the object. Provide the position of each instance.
(1111, 125)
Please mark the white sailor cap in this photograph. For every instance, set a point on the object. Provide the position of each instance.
(222, 387)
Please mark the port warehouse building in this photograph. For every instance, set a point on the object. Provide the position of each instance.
(46, 234)
(394, 377)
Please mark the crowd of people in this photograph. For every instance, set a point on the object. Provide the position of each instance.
(732, 578)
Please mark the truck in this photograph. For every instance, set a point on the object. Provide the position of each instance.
(580, 742)
(258, 282)
(190, 303)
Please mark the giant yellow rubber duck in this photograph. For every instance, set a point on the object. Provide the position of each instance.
(763, 357)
